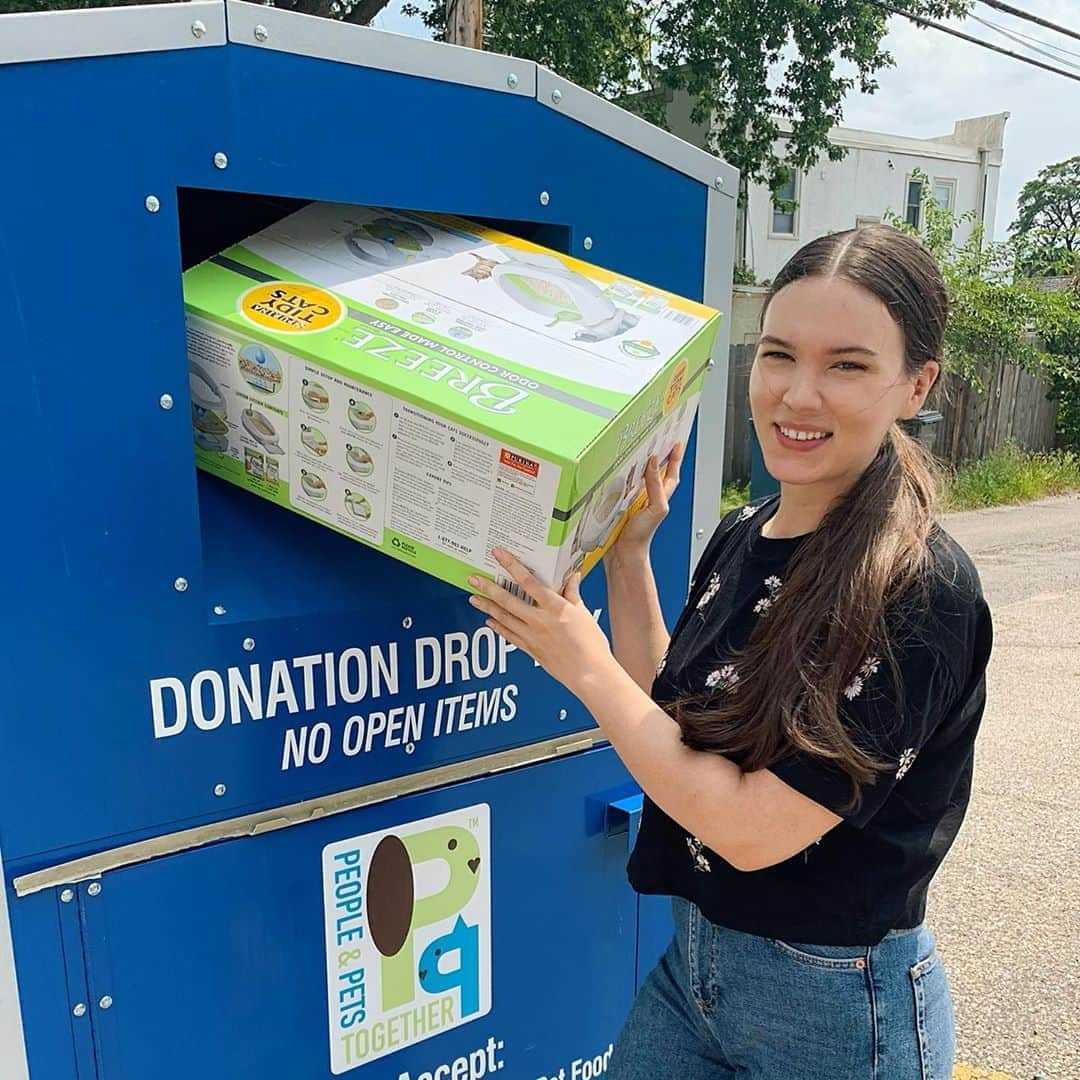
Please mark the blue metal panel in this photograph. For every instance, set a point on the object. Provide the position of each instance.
(655, 927)
(49, 962)
(216, 958)
(107, 506)
(80, 1003)
(334, 132)
(106, 499)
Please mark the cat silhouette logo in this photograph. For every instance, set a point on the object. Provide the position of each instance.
(408, 934)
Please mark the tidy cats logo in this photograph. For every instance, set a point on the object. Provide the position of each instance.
(408, 934)
(292, 307)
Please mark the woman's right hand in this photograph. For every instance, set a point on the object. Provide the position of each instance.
(636, 536)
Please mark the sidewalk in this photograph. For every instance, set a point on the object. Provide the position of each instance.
(1006, 904)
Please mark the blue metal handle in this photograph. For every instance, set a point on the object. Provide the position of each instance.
(624, 816)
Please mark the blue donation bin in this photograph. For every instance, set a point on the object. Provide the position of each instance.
(251, 823)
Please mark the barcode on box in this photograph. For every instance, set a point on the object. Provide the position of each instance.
(514, 589)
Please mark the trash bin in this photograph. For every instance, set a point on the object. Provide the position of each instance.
(762, 482)
(923, 428)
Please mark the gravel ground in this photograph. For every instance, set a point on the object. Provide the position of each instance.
(1005, 905)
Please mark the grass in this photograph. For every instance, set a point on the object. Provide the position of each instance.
(1010, 475)
(733, 496)
(1007, 476)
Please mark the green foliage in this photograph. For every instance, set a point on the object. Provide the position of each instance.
(1047, 227)
(994, 311)
(743, 275)
(1046, 236)
(733, 496)
(602, 45)
(1010, 475)
(639, 52)
(1063, 350)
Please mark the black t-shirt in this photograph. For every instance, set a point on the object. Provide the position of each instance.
(870, 873)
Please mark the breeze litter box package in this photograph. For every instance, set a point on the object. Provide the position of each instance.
(435, 388)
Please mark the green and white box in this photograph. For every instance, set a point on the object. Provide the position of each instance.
(435, 388)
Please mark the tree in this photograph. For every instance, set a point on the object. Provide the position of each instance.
(1047, 227)
(746, 63)
(994, 312)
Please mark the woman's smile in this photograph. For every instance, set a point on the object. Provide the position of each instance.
(801, 438)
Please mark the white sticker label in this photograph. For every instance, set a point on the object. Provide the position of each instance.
(408, 934)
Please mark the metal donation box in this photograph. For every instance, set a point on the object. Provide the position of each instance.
(272, 803)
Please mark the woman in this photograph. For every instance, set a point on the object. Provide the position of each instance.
(805, 737)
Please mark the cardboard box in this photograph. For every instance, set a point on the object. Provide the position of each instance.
(435, 389)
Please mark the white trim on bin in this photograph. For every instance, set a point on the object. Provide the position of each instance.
(67, 35)
(587, 108)
(12, 1041)
(327, 39)
(712, 413)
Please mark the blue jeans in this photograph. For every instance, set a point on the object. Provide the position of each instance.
(721, 1004)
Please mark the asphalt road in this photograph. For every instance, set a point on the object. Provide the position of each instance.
(1005, 905)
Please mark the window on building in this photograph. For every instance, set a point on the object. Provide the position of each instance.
(945, 193)
(784, 213)
(913, 213)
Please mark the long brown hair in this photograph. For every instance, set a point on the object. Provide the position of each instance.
(869, 551)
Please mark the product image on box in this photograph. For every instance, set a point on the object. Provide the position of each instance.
(436, 388)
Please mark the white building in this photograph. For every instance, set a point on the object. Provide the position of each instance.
(876, 175)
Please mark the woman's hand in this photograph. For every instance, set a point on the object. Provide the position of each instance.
(559, 632)
(637, 533)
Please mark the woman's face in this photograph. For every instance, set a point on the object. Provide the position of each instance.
(828, 381)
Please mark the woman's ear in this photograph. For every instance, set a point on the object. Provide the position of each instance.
(920, 388)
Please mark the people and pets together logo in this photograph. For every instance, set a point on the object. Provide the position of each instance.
(408, 934)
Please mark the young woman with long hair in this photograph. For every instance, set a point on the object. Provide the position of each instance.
(804, 736)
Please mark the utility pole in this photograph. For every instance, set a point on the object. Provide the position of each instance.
(465, 23)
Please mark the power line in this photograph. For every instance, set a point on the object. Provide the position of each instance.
(1023, 39)
(1010, 10)
(919, 20)
(1026, 37)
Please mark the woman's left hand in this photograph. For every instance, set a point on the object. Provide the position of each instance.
(559, 632)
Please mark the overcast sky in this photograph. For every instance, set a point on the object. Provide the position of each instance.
(939, 79)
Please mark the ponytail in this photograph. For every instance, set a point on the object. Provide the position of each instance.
(869, 551)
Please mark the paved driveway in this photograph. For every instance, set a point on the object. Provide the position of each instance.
(1006, 904)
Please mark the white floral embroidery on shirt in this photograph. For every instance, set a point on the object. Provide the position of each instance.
(701, 862)
(660, 666)
(773, 584)
(710, 591)
(725, 677)
(747, 512)
(855, 687)
(907, 759)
